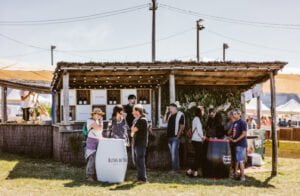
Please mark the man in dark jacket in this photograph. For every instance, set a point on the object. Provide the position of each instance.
(139, 132)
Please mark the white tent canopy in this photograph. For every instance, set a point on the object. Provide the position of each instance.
(252, 106)
(290, 107)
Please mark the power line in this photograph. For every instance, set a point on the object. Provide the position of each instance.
(250, 43)
(132, 45)
(232, 20)
(74, 19)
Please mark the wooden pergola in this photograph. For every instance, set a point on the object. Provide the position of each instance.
(231, 75)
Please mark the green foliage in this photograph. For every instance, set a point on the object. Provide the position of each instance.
(189, 96)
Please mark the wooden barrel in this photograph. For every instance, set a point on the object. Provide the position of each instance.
(111, 160)
(218, 158)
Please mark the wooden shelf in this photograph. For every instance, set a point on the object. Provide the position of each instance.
(83, 97)
(72, 114)
(143, 96)
(113, 97)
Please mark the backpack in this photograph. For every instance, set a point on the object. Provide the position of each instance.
(85, 133)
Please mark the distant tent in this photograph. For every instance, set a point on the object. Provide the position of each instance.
(291, 107)
(251, 107)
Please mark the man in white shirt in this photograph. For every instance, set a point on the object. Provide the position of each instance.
(25, 103)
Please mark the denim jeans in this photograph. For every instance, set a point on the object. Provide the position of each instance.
(90, 170)
(173, 143)
(140, 155)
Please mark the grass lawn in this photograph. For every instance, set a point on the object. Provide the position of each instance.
(24, 176)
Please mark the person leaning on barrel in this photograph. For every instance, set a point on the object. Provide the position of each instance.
(95, 130)
(197, 142)
(139, 132)
(215, 127)
(239, 139)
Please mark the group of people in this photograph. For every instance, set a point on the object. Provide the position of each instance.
(234, 129)
(31, 108)
(130, 123)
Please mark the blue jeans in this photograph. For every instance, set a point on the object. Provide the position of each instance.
(240, 153)
(173, 143)
(140, 155)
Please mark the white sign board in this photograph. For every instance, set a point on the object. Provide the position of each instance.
(72, 97)
(83, 112)
(125, 93)
(98, 97)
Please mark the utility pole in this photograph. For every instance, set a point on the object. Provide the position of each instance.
(199, 27)
(52, 48)
(225, 46)
(153, 8)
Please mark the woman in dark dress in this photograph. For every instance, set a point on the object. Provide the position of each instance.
(118, 124)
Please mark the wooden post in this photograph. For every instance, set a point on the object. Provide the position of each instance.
(172, 88)
(258, 100)
(66, 108)
(53, 108)
(159, 106)
(243, 102)
(153, 94)
(4, 104)
(273, 125)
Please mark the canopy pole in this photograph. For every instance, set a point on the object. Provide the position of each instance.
(4, 104)
(258, 113)
(273, 125)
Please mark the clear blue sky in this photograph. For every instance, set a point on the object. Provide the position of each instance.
(135, 28)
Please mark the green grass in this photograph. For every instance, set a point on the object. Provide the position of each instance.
(24, 176)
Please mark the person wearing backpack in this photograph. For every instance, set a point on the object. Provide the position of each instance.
(197, 142)
(94, 128)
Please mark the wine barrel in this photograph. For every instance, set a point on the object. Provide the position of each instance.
(111, 160)
(218, 158)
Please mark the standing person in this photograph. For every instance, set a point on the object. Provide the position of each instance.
(26, 103)
(119, 125)
(175, 128)
(95, 131)
(139, 132)
(197, 142)
(128, 109)
(128, 113)
(240, 141)
(228, 129)
(210, 125)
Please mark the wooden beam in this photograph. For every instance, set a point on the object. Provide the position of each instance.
(66, 108)
(153, 106)
(172, 88)
(4, 104)
(273, 125)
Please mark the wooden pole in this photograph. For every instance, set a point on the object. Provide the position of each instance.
(4, 104)
(153, 95)
(273, 125)
(153, 8)
(66, 108)
(243, 102)
(159, 106)
(172, 88)
(258, 112)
